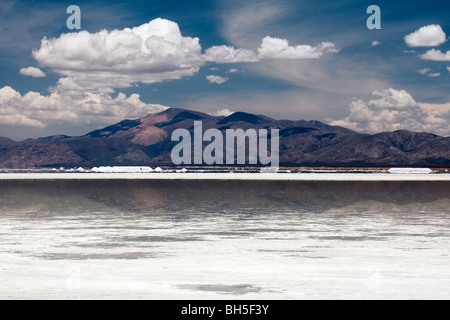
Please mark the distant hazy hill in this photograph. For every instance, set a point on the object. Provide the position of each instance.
(146, 141)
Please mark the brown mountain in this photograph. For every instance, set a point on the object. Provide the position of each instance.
(146, 141)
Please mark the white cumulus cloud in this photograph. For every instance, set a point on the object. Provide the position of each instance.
(69, 107)
(375, 43)
(424, 71)
(428, 36)
(436, 55)
(227, 54)
(392, 110)
(222, 113)
(275, 48)
(428, 72)
(442, 108)
(32, 72)
(270, 49)
(216, 79)
(93, 65)
(152, 52)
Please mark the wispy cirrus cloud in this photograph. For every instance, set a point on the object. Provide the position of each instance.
(320, 68)
(24, 22)
(245, 23)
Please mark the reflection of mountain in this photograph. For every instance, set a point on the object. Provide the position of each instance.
(146, 141)
(166, 197)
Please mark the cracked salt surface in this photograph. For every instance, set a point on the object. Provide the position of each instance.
(69, 240)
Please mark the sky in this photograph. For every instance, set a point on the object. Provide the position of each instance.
(287, 59)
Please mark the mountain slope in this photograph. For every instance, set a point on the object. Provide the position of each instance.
(147, 141)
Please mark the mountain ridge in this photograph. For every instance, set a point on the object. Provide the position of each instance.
(147, 141)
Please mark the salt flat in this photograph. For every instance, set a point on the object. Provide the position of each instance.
(224, 236)
(343, 253)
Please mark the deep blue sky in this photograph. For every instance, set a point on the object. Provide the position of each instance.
(321, 89)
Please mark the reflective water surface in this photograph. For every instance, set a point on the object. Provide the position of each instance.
(224, 239)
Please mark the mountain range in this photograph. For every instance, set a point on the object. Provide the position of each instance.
(147, 141)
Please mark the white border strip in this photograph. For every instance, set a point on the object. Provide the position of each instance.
(228, 176)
